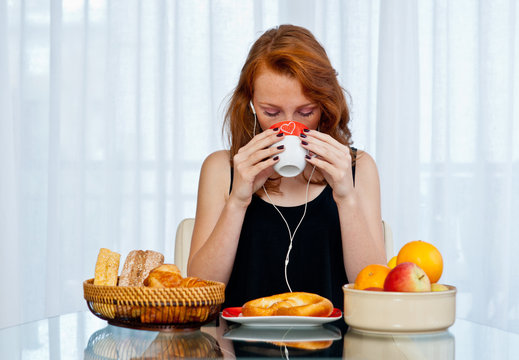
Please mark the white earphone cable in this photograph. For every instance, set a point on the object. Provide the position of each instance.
(290, 234)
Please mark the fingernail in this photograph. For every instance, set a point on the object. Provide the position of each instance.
(308, 157)
(275, 158)
(306, 130)
(302, 135)
(275, 129)
(304, 143)
(281, 147)
(280, 135)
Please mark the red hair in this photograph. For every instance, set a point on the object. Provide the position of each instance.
(293, 51)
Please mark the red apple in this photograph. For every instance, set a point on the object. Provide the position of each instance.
(407, 277)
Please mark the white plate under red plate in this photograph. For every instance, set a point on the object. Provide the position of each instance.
(291, 334)
(234, 314)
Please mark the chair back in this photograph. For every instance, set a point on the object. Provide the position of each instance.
(185, 232)
(388, 239)
(183, 243)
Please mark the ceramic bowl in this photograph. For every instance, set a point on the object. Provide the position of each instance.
(399, 312)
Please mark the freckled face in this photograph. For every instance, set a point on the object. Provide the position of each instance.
(280, 97)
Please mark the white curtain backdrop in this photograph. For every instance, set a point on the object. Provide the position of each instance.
(108, 108)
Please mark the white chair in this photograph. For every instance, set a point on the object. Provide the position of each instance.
(185, 231)
(388, 239)
(183, 243)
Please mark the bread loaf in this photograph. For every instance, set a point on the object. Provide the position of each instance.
(138, 265)
(107, 267)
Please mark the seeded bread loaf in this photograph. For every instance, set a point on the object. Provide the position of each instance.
(138, 265)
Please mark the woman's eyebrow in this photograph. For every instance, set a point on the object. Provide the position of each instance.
(298, 107)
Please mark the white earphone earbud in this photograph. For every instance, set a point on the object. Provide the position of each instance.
(255, 119)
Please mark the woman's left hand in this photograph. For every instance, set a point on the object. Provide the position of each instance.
(333, 159)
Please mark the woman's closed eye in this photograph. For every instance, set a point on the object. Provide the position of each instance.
(301, 113)
(306, 114)
(271, 114)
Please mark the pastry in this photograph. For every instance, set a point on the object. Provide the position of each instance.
(289, 304)
(167, 275)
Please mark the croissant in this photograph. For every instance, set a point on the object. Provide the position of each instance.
(167, 275)
(192, 282)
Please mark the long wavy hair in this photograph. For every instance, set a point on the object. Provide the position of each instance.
(293, 51)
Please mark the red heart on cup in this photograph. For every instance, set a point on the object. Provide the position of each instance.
(290, 127)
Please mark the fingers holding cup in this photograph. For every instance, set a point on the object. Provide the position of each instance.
(292, 160)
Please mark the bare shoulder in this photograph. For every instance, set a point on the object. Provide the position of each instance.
(366, 172)
(215, 173)
(217, 160)
(364, 162)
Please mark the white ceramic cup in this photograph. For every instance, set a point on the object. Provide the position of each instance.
(292, 160)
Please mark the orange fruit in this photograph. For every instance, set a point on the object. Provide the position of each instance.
(372, 276)
(424, 255)
(392, 262)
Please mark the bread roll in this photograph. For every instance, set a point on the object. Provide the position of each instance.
(138, 265)
(107, 267)
(289, 304)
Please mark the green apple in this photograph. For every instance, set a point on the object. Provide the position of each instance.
(439, 287)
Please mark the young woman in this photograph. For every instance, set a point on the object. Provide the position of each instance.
(247, 214)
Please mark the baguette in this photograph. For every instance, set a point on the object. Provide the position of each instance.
(107, 267)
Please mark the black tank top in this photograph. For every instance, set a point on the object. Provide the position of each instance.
(316, 262)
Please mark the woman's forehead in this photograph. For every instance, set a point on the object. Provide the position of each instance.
(272, 87)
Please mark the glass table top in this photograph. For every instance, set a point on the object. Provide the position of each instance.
(83, 336)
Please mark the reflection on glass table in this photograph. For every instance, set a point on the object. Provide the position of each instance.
(83, 336)
(114, 342)
(358, 345)
(316, 341)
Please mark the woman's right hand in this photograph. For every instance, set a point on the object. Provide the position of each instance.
(253, 165)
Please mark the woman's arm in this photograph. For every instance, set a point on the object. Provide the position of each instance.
(361, 222)
(219, 215)
(218, 222)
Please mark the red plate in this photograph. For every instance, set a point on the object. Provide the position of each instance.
(234, 314)
(236, 311)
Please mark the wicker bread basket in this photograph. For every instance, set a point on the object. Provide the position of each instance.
(155, 308)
